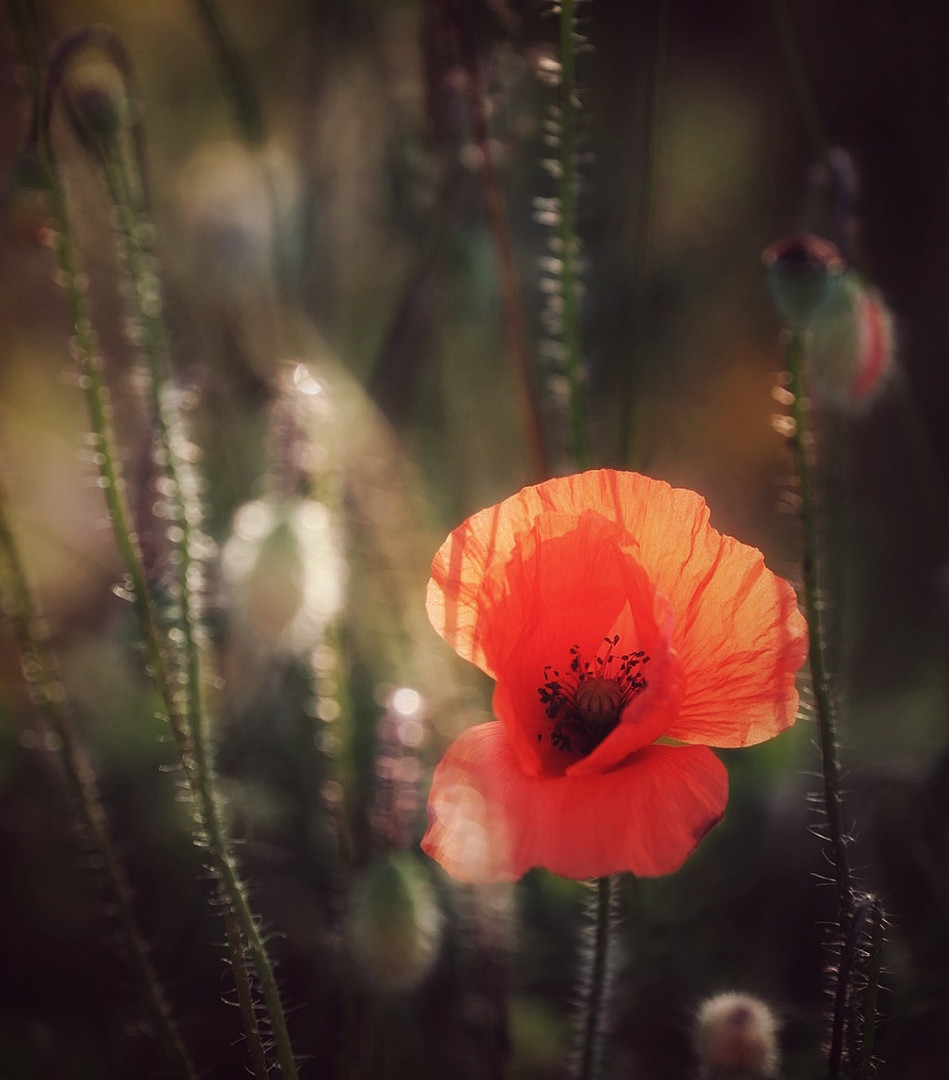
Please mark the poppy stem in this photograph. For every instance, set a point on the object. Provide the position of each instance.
(40, 669)
(512, 304)
(176, 653)
(802, 442)
(568, 241)
(597, 979)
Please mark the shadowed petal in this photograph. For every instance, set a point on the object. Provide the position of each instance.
(489, 821)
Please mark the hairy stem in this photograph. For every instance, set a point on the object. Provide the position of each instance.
(182, 690)
(820, 678)
(874, 968)
(597, 986)
(133, 228)
(823, 702)
(41, 672)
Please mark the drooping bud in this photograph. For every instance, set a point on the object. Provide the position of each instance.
(98, 106)
(395, 923)
(803, 271)
(736, 1039)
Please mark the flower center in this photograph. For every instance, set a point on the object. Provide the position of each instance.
(587, 700)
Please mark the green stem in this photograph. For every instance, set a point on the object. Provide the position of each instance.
(41, 671)
(569, 276)
(185, 707)
(512, 304)
(597, 990)
(820, 678)
(147, 308)
(874, 969)
(823, 702)
(234, 72)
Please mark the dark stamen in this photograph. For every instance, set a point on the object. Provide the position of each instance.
(586, 703)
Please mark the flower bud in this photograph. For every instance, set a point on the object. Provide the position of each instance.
(851, 344)
(395, 923)
(803, 271)
(736, 1039)
(98, 107)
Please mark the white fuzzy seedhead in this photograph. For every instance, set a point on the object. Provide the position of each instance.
(736, 1039)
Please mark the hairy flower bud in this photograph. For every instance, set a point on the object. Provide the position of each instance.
(98, 107)
(736, 1039)
(803, 271)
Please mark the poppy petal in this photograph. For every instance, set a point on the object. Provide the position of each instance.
(489, 821)
(563, 598)
(737, 629)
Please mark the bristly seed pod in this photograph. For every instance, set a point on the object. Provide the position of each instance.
(736, 1039)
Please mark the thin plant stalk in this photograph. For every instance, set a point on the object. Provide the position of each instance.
(147, 312)
(41, 672)
(241, 93)
(567, 229)
(97, 403)
(594, 1006)
(823, 702)
(512, 304)
(874, 969)
(820, 677)
(188, 717)
(595, 984)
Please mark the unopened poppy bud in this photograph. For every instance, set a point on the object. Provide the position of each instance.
(395, 923)
(736, 1039)
(98, 106)
(803, 271)
(851, 344)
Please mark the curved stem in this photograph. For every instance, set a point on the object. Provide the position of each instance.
(147, 311)
(182, 690)
(41, 671)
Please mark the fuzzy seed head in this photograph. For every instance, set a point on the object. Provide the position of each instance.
(736, 1039)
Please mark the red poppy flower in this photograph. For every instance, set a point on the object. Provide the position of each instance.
(611, 615)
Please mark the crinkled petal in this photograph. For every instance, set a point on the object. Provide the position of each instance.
(737, 630)
(489, 821)
(570, 590)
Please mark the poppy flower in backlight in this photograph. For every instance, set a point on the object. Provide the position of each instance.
(626, 636)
